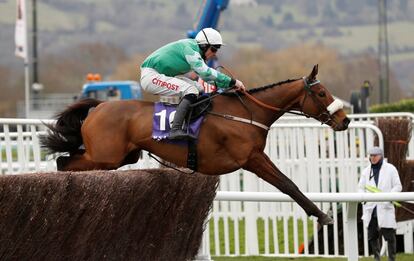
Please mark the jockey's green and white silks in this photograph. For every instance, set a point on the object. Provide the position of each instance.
(180, 57)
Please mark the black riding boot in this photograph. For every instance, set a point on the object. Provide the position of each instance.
(177, 132)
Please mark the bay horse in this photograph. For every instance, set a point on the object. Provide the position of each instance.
(232, 136)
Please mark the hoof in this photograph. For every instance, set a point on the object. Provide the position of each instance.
(325, 220)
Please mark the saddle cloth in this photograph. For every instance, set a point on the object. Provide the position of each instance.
(162, 120)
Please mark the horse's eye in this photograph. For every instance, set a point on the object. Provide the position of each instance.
(322, 94)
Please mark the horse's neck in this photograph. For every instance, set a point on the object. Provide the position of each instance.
(283, 96)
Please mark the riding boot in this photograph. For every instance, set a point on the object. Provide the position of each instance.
(177, 132)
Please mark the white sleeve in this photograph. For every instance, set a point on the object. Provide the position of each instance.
(362, 181)
(396, 182)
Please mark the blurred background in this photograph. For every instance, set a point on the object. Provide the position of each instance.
(365, 43)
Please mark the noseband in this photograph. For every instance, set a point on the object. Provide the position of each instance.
(326, 116)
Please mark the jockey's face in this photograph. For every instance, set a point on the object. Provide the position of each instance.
(211, 52)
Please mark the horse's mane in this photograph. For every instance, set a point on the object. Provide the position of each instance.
(258, 89)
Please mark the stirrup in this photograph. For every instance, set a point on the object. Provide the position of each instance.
(180, 135)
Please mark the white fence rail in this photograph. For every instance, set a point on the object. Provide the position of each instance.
(20, 150)
(370, 118)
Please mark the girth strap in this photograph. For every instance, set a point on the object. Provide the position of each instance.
(235, 118)
(192, 155)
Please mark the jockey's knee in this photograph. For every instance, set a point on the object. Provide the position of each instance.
(191, 90)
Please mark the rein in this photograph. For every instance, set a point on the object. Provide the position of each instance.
(227, 116)
(267, 106)
(258, 102)
(307, 87)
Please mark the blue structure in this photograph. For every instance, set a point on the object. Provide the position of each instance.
(211, 10)
(112, 90)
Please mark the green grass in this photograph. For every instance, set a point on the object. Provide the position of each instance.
(3, 154)
(261, 235)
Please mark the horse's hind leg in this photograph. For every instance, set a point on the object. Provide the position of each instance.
(263, 167)
(80, 162)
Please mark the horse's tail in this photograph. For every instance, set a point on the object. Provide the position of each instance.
(65, 134)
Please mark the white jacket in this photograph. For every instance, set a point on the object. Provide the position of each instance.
(388, 181)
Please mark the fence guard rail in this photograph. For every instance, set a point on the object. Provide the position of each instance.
(351, 200)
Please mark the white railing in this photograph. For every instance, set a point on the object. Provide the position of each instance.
(20, 150)
(367, 118)
(350, 201)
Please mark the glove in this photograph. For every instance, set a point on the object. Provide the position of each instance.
(239, 86)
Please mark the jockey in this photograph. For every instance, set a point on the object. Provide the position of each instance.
(162, 73)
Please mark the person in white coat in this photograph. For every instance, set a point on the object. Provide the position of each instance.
(379, 217)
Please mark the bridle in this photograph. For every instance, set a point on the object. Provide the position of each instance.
(325, 117)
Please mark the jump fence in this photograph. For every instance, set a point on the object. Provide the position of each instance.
(99, 215)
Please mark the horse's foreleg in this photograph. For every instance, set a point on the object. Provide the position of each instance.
(262, 166)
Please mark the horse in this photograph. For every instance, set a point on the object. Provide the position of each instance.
(232, 136)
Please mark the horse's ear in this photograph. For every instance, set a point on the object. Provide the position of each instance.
(314, 72)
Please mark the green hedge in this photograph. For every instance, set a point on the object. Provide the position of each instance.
(401, 106)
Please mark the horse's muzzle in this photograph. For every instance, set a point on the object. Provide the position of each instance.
(344, 125)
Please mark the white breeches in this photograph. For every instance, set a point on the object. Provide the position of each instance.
(160, 84)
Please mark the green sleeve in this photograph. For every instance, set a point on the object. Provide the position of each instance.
(208, 74)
